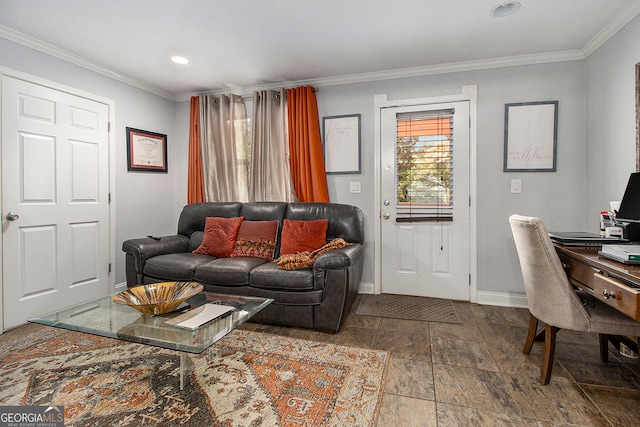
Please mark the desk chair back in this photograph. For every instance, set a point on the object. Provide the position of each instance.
(550, 296)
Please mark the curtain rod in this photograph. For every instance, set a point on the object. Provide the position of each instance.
(315, 89)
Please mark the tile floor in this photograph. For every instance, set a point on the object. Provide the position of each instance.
(475, 374)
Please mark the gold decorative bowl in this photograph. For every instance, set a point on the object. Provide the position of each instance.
(158, 298)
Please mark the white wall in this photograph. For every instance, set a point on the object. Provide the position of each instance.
(146, 203)
(611, 124)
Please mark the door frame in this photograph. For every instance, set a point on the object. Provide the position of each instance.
(111, 158)
(469, 93)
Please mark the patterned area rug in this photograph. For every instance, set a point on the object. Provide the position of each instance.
(408, 307)
(246, 379)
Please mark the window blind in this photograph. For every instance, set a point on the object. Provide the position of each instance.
(424, 166)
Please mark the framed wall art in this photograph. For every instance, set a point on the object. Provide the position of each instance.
(530, 136)
(341, 144)
(146, 151)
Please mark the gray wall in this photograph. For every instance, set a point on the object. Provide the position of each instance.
(595, 146)
(559, 198)
(611, 124)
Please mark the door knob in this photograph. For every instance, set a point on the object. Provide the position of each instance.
(385, 215)
(386, 202)
(12, 216)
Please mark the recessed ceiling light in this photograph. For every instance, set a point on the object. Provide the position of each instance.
(505, 9)
(179, 60)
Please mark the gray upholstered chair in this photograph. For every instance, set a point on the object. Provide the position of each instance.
(552, 299)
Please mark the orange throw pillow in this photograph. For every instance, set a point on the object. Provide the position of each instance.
(301, 236)
(219, 236)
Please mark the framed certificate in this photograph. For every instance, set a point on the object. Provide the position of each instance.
(146, 151)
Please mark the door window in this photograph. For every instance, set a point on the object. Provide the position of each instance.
(424, 166)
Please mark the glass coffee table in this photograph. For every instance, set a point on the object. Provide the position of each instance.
(105, 318)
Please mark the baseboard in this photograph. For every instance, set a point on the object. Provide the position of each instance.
(483, 298)
(366, 288)
(502, 299)
(121, 286)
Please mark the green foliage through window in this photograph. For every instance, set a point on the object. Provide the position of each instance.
(424, 159)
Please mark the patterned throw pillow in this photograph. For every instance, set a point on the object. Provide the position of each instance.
(306, 259)
(256, 239)
(219, 236)
(301, 236)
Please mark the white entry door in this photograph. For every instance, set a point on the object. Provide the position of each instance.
(55, 200)
(425, 200)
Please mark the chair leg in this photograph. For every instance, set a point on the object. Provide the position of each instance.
(531, 335)
(604, 347)
(549, 351)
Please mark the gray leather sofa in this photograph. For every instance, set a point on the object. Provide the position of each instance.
(315, 298)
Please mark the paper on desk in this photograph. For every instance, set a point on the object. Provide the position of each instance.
(205, 313)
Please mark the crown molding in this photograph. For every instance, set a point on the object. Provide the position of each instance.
(49, 49)
(612, 28)
(455, 67)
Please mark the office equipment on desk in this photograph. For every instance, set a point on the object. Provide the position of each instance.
(628, 215)
(626, 254)
(607, 220)
(580, 238)
(614, 232)
(630, 205)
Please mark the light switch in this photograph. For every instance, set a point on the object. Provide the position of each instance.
(516, 186)
(354, 187)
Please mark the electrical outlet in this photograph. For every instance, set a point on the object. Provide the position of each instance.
(354, 187)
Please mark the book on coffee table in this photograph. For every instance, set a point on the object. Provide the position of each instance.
(199, 316)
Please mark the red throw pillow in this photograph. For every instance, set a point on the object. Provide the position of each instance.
(256, 239)
(219, 236)
(301, 236)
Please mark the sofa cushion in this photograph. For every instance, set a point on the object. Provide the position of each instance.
(227, 271)
(179, 266)
(268, 276)
(219, 236)
(344, 220)
(256, 239)
(301, 236)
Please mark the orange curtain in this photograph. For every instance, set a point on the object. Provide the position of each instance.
(305, 146)
(195, 186)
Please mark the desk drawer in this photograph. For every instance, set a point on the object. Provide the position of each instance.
(617, 295)
(579, 274)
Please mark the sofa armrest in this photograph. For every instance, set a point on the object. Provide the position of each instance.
(339, 258)
(141, 249)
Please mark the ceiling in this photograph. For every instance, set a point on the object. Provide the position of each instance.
(243, 44)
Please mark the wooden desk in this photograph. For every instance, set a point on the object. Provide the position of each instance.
(614, 283)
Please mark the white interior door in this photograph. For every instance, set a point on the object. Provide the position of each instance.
(55, 183)
(425, 214)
